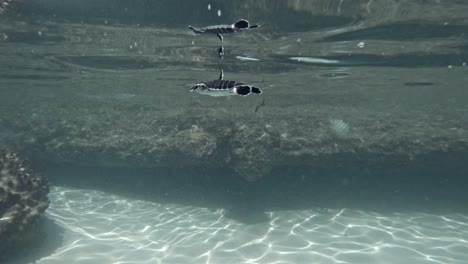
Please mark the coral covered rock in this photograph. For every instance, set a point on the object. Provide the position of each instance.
(23, 199)
(255, 150)
(195, 142)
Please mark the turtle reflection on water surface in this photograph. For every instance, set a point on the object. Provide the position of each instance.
(223, 87)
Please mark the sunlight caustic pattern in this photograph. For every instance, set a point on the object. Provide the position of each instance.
(103, 228)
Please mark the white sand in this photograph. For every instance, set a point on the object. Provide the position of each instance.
(103, 228)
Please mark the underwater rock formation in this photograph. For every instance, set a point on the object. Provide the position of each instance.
(23, 200)
(194, 142)
(254, 150)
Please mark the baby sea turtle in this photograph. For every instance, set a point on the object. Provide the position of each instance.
(221, 29)
(223, 87)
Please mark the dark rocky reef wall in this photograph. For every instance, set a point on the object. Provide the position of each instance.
(23, 200)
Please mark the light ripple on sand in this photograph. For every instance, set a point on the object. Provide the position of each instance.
(103, 228)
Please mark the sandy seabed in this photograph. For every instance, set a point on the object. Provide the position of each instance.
(102, 228)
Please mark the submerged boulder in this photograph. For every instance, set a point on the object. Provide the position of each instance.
(23, 200)
(254, 150)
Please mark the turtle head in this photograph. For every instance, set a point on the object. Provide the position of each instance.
(256, 90)
(243, 24)
(245, 90)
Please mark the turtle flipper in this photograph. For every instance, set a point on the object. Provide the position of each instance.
(221, 75)
(220, 36)
(198, 85)
(221, 52)
(196, 30)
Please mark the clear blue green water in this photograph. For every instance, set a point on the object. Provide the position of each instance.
(355, 152)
